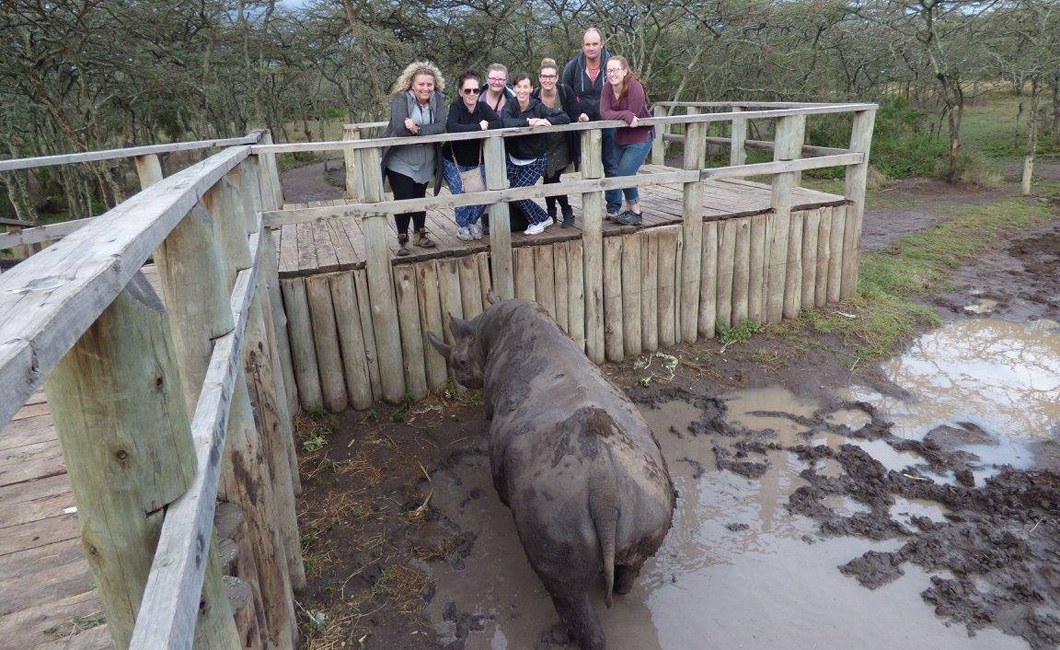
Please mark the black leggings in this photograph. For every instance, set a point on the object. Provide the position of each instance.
(406, 188)
(550, 201)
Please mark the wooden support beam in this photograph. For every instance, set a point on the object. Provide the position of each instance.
(576, 292)
(272, 191)
(500, 222)
(649, 283)
(837, 263)
(741, 271)
(756, 305)
(120, 414)
(148, 169)
(788, 145)
(354, 189)
(631, 290)
(325, 334)
(738, 150)
(691, 260)
(303, 349)
(726, 256)
(562, 284)
(430, 304)
(613, 309)
(351, 339)
(811, 229)
(592, 167)
(856, 177)
(658, 146)
(408, 313)
(824, 258)
(793, 273)
(708, 288)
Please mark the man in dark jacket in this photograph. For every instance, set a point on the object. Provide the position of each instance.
(586, 74)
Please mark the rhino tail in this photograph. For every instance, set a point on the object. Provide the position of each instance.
(603, 507)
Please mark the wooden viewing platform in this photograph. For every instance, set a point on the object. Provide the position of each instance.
(148, 500)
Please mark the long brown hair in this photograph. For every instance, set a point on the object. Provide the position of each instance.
(629, 74)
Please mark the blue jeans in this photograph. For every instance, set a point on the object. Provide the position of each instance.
(465, 214)
(628, 159)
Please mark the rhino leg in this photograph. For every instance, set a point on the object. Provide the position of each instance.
(582, 625)
(624, 577)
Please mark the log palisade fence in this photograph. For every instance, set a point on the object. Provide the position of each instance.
(164, 406)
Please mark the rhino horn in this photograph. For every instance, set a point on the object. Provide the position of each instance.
(439, 345)
(462, 329)
(492, 297)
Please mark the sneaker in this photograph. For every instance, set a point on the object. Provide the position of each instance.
(611, 216)
(476, 230)
(628, 218)
(548, 222)
(464, 234)
(535, 229)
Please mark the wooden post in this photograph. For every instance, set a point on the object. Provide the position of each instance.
(787, 146)
(500, 223)
(381, 282)
(613, 310)
(667, 297)
(470, 286)
(793, 273)
(351, 160)
(326, 342)
(593, 245)
(658, 146)
(726, 255)
(708, 289)
(119, 411)
(149, 169)
(824, 258)
(411, 335)
(741, 270)
(192, 274)
(236, 558)
(631, 288)
(371, 353)
(544, 278)
(737, 148)
(811, 228)
(272, 191)
(835, 247)
(303, 349)
(576, 292)
(523, 269)
(800, 135)
(351, 339)
(691, 260)
(430, 304)
(649, 286)
(756, 306)
(562, 291)
(856, 177)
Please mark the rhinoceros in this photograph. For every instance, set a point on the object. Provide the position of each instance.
(570, 456)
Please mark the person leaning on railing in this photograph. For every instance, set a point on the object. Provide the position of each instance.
(462, 160)
(526, 154)
(624, 98)
(417, 108)
(563, 148)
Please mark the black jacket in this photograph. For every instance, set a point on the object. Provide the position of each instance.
(529, 146)
(467, 152)
(572, 107)
(588, 91)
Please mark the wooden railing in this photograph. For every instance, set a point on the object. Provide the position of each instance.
(155, 405)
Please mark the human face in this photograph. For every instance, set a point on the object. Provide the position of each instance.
(616, 73)
(423, 87)
(522, 91)
(469, 92)
(591, 45)
(548, 78)
(496, 80)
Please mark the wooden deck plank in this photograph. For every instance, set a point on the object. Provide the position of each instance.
(30, 462)
(34, 499)
(307, 249)
(29, 431)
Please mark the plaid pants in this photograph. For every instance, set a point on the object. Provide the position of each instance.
(525, 176)
(465, 214)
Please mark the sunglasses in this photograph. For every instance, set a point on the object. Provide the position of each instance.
(472, 91)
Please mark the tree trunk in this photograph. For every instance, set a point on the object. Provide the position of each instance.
(1032, 141)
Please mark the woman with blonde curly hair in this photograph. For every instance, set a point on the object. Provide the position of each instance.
(417, 108)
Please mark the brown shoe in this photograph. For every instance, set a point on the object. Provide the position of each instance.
(421, 239)
(403, 246)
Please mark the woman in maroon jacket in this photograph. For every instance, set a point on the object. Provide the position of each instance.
(623, 98)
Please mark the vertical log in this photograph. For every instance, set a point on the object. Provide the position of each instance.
(708, 288)
(726, 256)
(351, 339)
(430, 304)
(835, 247)
(649, 286)
(576, 292)
(613, 310)
(738, 149)
(667, 296)
(371, 353)
(788, 146)
(793, 274)
(148, 169)
(351, 163)
(824, 258)
(592, 166)
(271, 190)
(800, 135)
(545, 279)
(691, 259)
(756, 303)
(411, 335)
(500, 223)
(470, 289)
(741, 270)
(562, 291)
(119, 411)
(811, 227)
(303, 350)
(326, 342)
(525, 287)
(449, 288)
(856, 177)
(381, 283)
(192, 274)
(631, 299)
(679, 282)
(484, 280)
(236, 558)
(658, 145)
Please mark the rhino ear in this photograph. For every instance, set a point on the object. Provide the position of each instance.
(492, 297)
(462, 329)
(439, 345)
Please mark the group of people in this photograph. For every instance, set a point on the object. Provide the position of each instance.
(596, 85)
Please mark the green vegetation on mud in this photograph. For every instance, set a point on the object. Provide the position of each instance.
(895, 279)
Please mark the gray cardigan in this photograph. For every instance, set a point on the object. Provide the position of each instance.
(401, 107)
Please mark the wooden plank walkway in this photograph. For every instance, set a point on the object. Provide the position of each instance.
(47, 599)
(338, 244)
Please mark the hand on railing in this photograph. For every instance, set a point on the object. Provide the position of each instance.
(538, 121)
(412, 126)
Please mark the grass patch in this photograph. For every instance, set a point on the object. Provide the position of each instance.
(894, 277)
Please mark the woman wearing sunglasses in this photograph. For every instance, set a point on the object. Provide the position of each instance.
(462, 160)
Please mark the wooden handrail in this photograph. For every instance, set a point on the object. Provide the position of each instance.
(129, 152)
(276, 218)
(341, 145)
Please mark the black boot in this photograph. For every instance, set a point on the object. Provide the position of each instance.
(403, 246)
(568, 216)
